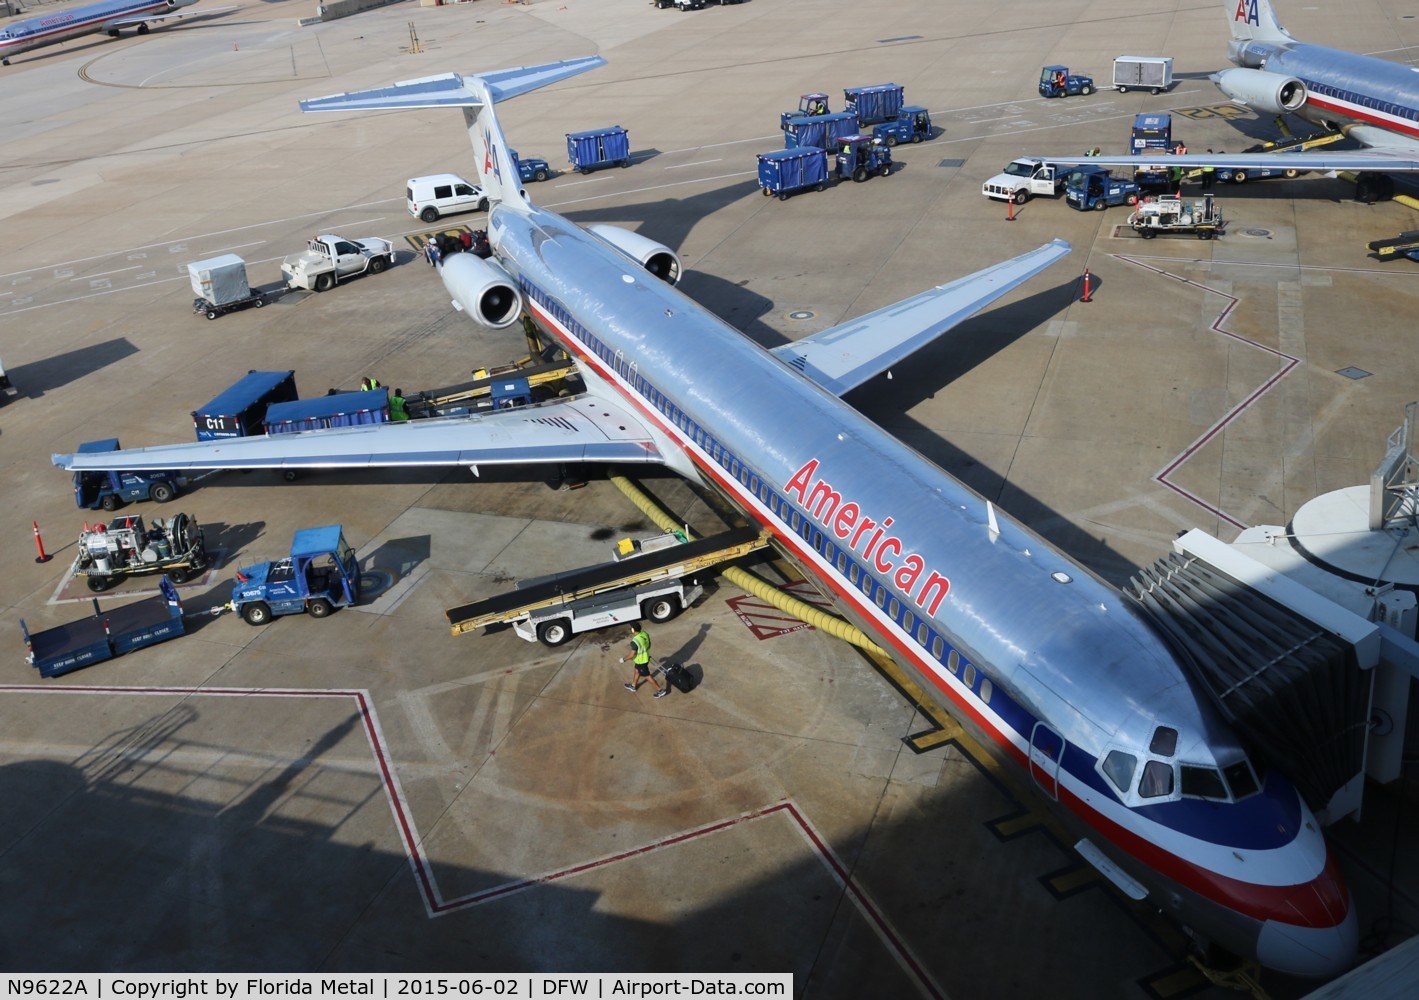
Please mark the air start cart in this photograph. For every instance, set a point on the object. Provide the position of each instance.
(1173, 214)
(126, 547)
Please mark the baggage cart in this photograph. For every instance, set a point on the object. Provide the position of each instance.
(787, 170)
(105, 634)
(1151, 73)
(220, 286)
(598, 148)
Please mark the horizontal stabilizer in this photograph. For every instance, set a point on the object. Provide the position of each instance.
(844, 357)
(450, 90)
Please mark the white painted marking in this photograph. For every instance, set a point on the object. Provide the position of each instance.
(592, 180)
(102, 273)
(697, 163)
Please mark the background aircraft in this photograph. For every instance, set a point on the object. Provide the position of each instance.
(110, 16)
(1028, 650)
(1373, 101)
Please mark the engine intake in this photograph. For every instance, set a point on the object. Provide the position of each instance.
(482, 289)
(657, 258)
(1271, 93)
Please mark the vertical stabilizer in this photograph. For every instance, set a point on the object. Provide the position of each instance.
(497, 175)
(475, 94)
(1254, 21)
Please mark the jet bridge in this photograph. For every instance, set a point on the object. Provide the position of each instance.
(1304, 635)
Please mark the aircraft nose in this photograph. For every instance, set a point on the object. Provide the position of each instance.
(1319, 948)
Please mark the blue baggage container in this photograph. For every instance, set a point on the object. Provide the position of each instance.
(344, 409)
(598, 147)
(822, 131)
(874, 104)
(787, 170)
(239, 410)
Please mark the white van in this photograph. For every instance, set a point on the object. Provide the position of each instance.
(443, 194)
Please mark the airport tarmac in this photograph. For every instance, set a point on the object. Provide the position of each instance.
(368, 792)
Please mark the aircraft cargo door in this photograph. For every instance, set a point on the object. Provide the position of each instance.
(1046, 750)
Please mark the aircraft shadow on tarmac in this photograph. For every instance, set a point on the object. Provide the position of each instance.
(238, 874)
(264, 862)
(35, 378)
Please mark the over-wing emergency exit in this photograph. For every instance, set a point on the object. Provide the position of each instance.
(1028, 650)
(1373, 101)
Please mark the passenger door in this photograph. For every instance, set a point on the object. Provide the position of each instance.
(1046, 751)
(348, 258)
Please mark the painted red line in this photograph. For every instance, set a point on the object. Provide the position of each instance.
(434, 904)
(1289, 363)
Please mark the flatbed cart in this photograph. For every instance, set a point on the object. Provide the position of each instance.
(105, 634)
(452, 400)
(125, 547)
(1174, 214)
(651, 585)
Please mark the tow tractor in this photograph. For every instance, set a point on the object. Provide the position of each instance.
(860, 156)
(1171, 213)
(912, 124)
(808, 106)
(111, 489)
(319, 575)
(652, 579)
(126, 547)
(328, 260)
(1095, 188)
(1057, 81)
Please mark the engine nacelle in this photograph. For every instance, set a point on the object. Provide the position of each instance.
(657, 258)
(482, 289)
(1270, 93)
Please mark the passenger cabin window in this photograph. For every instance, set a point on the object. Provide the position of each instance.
(1203, 783)
(1119, 768)
(937, 647)
(1157, 780)
(969, 676)
(1241, 779)
(986, 690)
(443, 191)
(1165, 742)
(953, 662)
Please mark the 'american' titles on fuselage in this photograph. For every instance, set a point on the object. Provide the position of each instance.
(1023, 659)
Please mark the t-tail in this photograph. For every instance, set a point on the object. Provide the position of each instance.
(475, 94)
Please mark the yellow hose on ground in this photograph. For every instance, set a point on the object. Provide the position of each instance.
(745, 580)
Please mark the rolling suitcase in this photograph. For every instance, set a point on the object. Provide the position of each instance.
(679, 678)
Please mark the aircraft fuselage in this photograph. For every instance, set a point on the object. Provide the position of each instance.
(1036, 656)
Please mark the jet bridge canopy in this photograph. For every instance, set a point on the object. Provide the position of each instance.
(1289, 686)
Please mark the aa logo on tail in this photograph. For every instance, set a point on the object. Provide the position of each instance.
(1246, 11)
(490, 162)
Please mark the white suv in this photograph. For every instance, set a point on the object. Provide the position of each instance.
(443, 194)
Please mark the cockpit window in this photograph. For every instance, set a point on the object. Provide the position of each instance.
(1203, 783)
(1157, 780)
(1241, 779)
(1165, 741)
(1119, 768)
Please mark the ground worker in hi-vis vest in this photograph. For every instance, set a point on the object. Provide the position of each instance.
(640, 656)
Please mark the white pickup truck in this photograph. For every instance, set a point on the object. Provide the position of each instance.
(1023, 178)
(329, 259)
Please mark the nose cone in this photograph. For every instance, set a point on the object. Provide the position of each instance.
(1319, 952)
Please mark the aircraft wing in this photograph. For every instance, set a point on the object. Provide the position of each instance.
(584, 429)
(131, 22)
(847, 355)
(1396, 160)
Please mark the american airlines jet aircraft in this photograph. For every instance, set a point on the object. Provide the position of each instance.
(1373, 101)
(110, 16)
(1031, 652)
